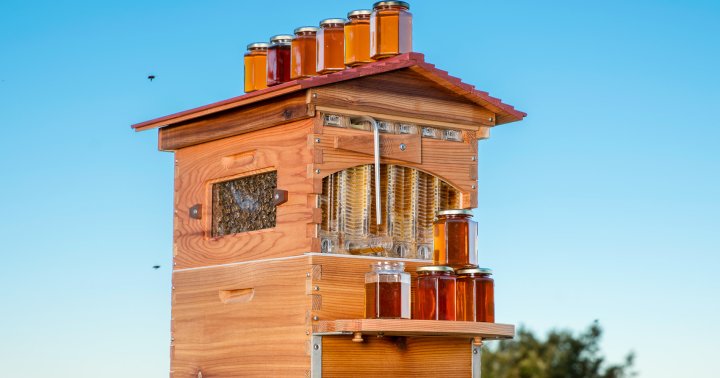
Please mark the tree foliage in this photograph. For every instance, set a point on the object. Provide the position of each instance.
(560, 355)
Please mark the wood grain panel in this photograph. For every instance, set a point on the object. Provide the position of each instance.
(403, 93)
(265, 336)
(396, 357)
(389, 146)
(283, 148)
(234, 122)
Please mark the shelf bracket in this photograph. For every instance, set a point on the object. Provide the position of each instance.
(476, 350)
(316, 357)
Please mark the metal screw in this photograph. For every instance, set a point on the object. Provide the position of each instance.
(475, 351)
(307, 332)
(314, 95)
(473, 158)
(173, 287)
(174, 263)
(316, 347)
(317, 288)
(402, 146)
(316, 318)
(490, 119)
(307, 274)
(317, 140)
(317, 171)
(472, 186)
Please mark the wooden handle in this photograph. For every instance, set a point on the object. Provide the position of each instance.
(236, 295)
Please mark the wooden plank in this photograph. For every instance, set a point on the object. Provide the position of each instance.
(253, 117)
(403, 93)
(217, 107)
(282, 148)
(483, 132)
(389, 146)
(409, 357)
(265, 336)
(410, 327)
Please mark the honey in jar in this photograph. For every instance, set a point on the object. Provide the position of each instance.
(256, 66)
(435, 294)
(475, 295)
(303, 52)
(278, 59)
(357, 38)
(455, 239)
(387, 291)
(331, 46)
(390, 29)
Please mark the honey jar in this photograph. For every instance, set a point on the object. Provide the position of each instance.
(390, 29)
(278, 59)
(303, 52)
(475, 295)
(357, 38)
(455, 239)
(387, 291)
(256, 66)
(435, 294)
(331, 46)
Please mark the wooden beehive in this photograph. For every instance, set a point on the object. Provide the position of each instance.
(253, 295)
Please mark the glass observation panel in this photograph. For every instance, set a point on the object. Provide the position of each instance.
(409, 200)
(243, 204)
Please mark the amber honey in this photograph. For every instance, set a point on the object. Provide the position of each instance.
(303, 53)
(475, 295)
(455, 239)
(278, 60)
(435, 294)
(387, 291)
(256, 66)
(357, 38)
(390, 29)
(331, 46)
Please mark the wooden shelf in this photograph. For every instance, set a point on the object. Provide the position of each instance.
(407, 327)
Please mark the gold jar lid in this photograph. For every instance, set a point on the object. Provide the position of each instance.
(435, 268)
(332, 21)
(455, 212)
(258, 45)
(304, 29)
(359, 12)
(474, 270)
(281, 39)
(391, 4)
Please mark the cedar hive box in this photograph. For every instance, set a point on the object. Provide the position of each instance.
(270, 251)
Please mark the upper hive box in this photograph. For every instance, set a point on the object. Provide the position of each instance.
(289, 169)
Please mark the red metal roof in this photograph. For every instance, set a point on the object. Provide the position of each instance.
(505, 113)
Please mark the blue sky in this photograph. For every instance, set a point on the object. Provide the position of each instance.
(602, 204)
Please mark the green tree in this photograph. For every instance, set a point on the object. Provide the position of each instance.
(560, 355)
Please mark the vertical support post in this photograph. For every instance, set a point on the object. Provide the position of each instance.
(316, 357)
(476, 350)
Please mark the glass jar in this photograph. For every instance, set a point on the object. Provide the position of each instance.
(390, 29)
(256, 66)
(278, 59)
(475, 295)
(303, 52)
(455, 239)
(331, 46)
(357, 38)
(435, 294)
(387, 291)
